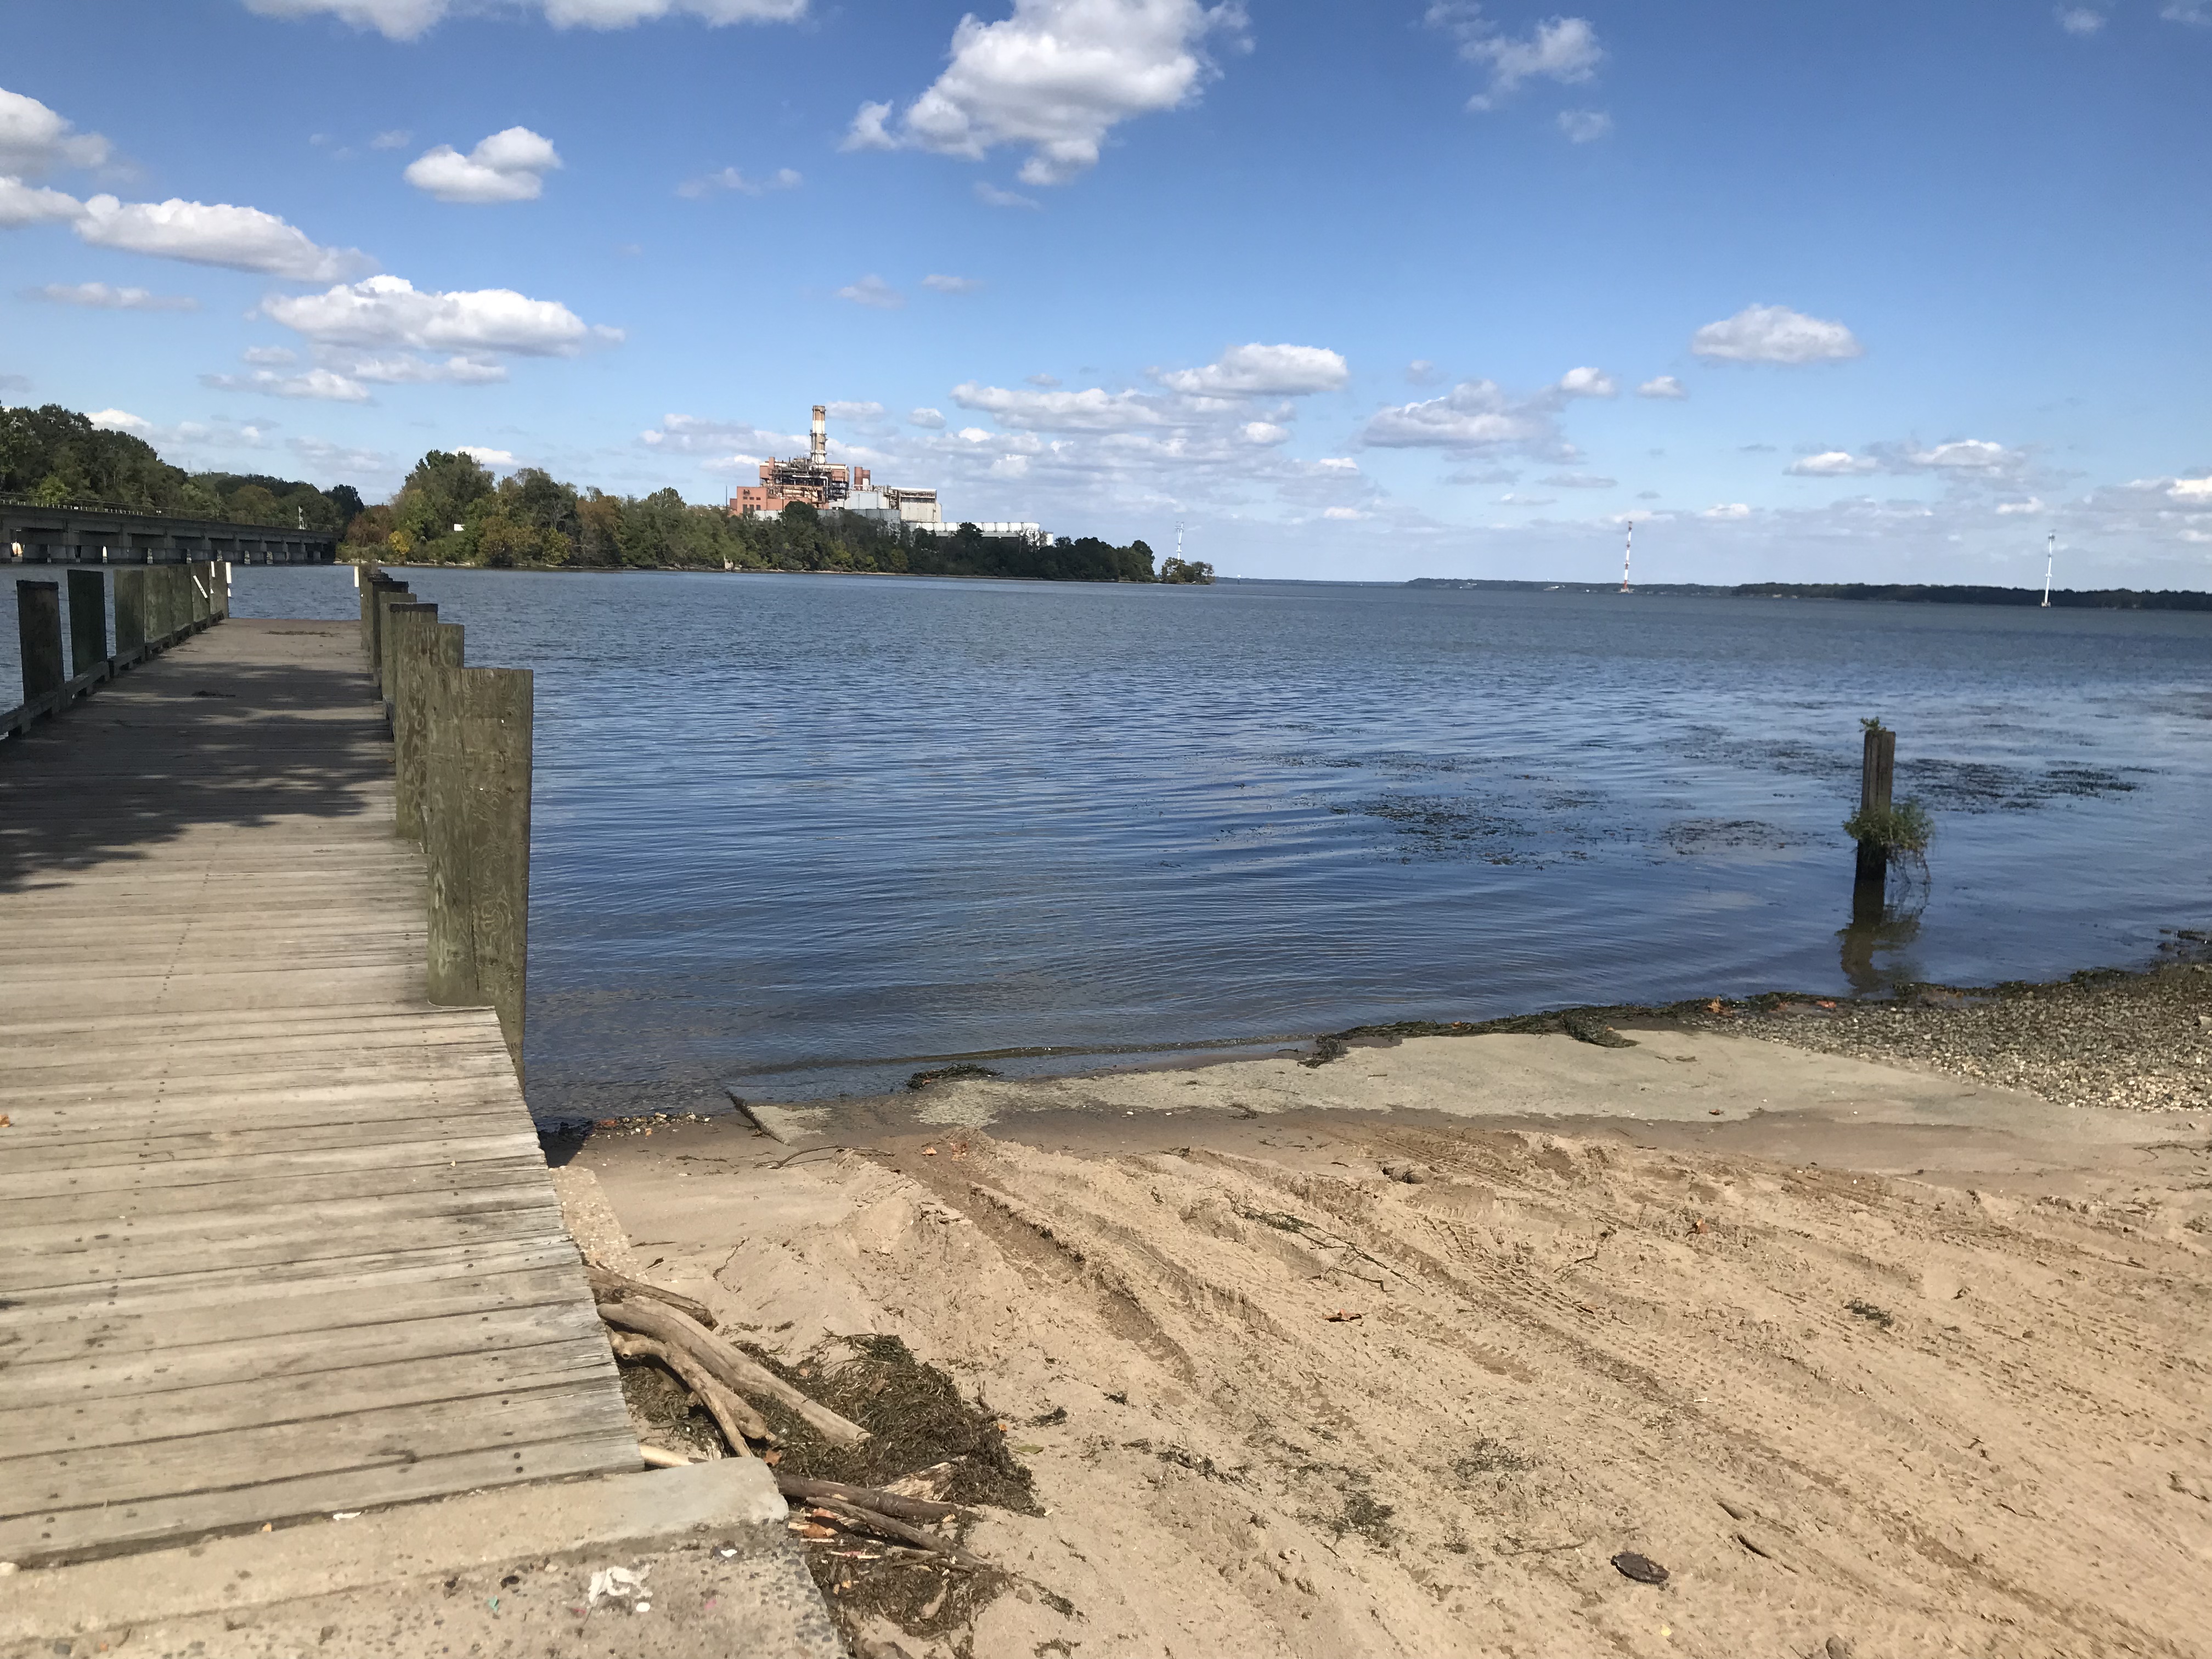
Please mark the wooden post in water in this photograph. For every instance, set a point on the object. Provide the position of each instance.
(1877, 776)
(39, 628)
(476, 819)
(130, 610)
(87, 609)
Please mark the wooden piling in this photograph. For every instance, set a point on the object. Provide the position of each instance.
(38, 628)
(414, 630)
(87, 624)
(1877, 776)
(476, 816)
(388, 595)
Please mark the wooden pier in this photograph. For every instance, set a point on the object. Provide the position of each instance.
(276, 1238)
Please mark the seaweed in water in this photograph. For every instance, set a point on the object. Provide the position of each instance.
(947, 1074)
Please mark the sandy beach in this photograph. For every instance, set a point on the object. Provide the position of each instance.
(1413, 1352)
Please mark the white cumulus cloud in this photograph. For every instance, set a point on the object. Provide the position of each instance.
(1774, 334)
(1265, 433)
(991, 196)
(98, 296)
(216, 234)
(1834, 463)
(35, 140)
(930, 420)
(1588, 383)
(2080, 19)
(33, 204)
(508, 167)
(730, 179)
(1054, 78)
(486, 456)
(1727, 510)
(1584, 126)
(410, 19)
(1264, 371)
(2191, 489)
(872, 291)
(405, 369)
(1662, 386)
(1095, 410)
(1561, 49)
(325, 384)
(942, 284)
(387, 312)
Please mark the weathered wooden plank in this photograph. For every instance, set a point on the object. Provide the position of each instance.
(269, 1453)
(239, 1384)
(188, 1305)
(342, 1132)
(221, 1175)
(60, 1534)
(68, 1253)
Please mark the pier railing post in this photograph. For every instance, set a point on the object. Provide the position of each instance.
(476, 814)
(415, 630)
(389, 593)
(131, 610)
(87, 609)
(199, 592)
(38, 628)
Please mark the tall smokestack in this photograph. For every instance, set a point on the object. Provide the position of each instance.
(821, 433)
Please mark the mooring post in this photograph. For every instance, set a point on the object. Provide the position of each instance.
(476, 815)
(39, 628)
(415, 629)
(87, 609)
(1877, 774)
(130, 610)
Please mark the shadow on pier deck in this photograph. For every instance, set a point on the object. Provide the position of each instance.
(276, 1235)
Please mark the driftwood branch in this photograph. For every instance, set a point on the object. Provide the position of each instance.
(608, 1286)
(851, 1517)
(675, 1330)
(807, 1491)
(738, 1421)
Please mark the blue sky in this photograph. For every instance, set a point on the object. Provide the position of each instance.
(1809, 292)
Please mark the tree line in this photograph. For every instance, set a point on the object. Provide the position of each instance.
(56, 457)
(452, 510)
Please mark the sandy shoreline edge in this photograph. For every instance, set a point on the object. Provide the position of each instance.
(1393, 1354)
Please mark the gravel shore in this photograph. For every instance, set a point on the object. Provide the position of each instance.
(2138, 1042)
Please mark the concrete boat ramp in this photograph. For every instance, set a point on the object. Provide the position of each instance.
(277, 1243)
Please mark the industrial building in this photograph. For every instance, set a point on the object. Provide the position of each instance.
(809, 478)
(812, 479)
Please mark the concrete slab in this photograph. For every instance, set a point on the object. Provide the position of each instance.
(690, 1564)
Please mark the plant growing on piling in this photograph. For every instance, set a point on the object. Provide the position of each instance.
(1899, 831)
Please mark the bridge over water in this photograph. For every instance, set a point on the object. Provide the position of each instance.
(32, 534)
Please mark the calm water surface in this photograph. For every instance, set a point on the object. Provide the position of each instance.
(802, 836)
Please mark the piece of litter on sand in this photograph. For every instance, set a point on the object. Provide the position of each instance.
(1642, 1568)
(345, 1514)
(1342, 1317)
(929, 1152)
(616, 1581)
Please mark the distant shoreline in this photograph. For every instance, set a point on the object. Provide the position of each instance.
(2106, 598)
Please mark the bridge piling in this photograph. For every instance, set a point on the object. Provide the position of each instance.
(38, 628)
(87, 619)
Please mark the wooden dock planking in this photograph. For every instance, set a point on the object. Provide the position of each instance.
(276, 1236)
